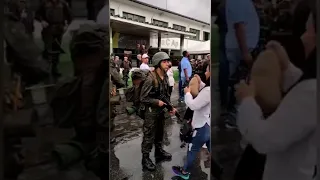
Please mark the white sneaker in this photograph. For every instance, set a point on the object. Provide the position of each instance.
(205, 146)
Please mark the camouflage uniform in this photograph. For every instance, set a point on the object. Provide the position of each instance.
(19, 7)
(22, 58)
(115, 82)
(126, 65)
(90, 65)
(22, 52)
(155, 117)
(58, 16)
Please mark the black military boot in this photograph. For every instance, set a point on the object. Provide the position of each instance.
(147, 163)
(162, 155)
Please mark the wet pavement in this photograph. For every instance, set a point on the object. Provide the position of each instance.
(225, 144)
(126, 159)
(128, 148)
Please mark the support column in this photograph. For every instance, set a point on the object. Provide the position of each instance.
(181, 43)
(318, 75)
(111, 40)
(159, 41)
(2, 85)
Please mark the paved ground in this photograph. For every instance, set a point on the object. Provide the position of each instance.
(128, 148)
(225, 145)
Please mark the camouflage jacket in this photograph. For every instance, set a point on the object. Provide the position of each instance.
(115, 78)
(151, 89)
(126, 66)
(54, 14)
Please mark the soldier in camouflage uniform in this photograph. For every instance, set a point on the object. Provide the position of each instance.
(115, 83)
(25, 15)
(153, 127)
(127, 66)
(90, 65)
(22, 66)
(55, 16)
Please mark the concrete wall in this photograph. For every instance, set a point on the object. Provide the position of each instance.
(121, 6)
(189, 43)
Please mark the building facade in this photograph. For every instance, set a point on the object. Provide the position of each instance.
(133, 23)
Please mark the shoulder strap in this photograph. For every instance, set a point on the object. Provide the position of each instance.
(155, 80)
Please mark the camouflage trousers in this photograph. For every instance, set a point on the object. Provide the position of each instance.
(52, 49)
(125, 78)
(153, 130)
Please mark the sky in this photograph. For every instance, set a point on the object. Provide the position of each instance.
(197, 9)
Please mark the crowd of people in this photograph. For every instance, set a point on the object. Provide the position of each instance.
(151, 93)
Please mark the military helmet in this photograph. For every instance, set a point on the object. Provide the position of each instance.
(158, 57)
(138, 74)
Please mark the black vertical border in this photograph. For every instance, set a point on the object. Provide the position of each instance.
(107, 3)
(1, 97)
(213, 81)
(318, 87)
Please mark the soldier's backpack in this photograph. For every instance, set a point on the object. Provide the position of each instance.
(132, 94)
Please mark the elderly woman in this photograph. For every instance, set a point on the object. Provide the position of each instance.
(286, 136)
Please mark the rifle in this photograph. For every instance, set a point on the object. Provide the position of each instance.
(169, 105)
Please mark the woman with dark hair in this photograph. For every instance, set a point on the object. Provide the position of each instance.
(201, 107)
(286, 136)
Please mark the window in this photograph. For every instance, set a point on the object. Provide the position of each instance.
(112, 12)
(206, 36)
(134, 17)
(197, 32)
(160, 23)
(178, 27)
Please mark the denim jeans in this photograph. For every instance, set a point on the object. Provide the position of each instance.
(181, 94)
(237, 71)
(234, 58)
(200, 137)
(183, 82)
(223, 78)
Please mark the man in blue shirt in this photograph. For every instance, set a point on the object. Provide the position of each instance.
(242, 37)
(223, 62)
(180, 82)
(186, 70)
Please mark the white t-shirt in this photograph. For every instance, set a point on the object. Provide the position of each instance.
(170, 76)
(144, 66)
